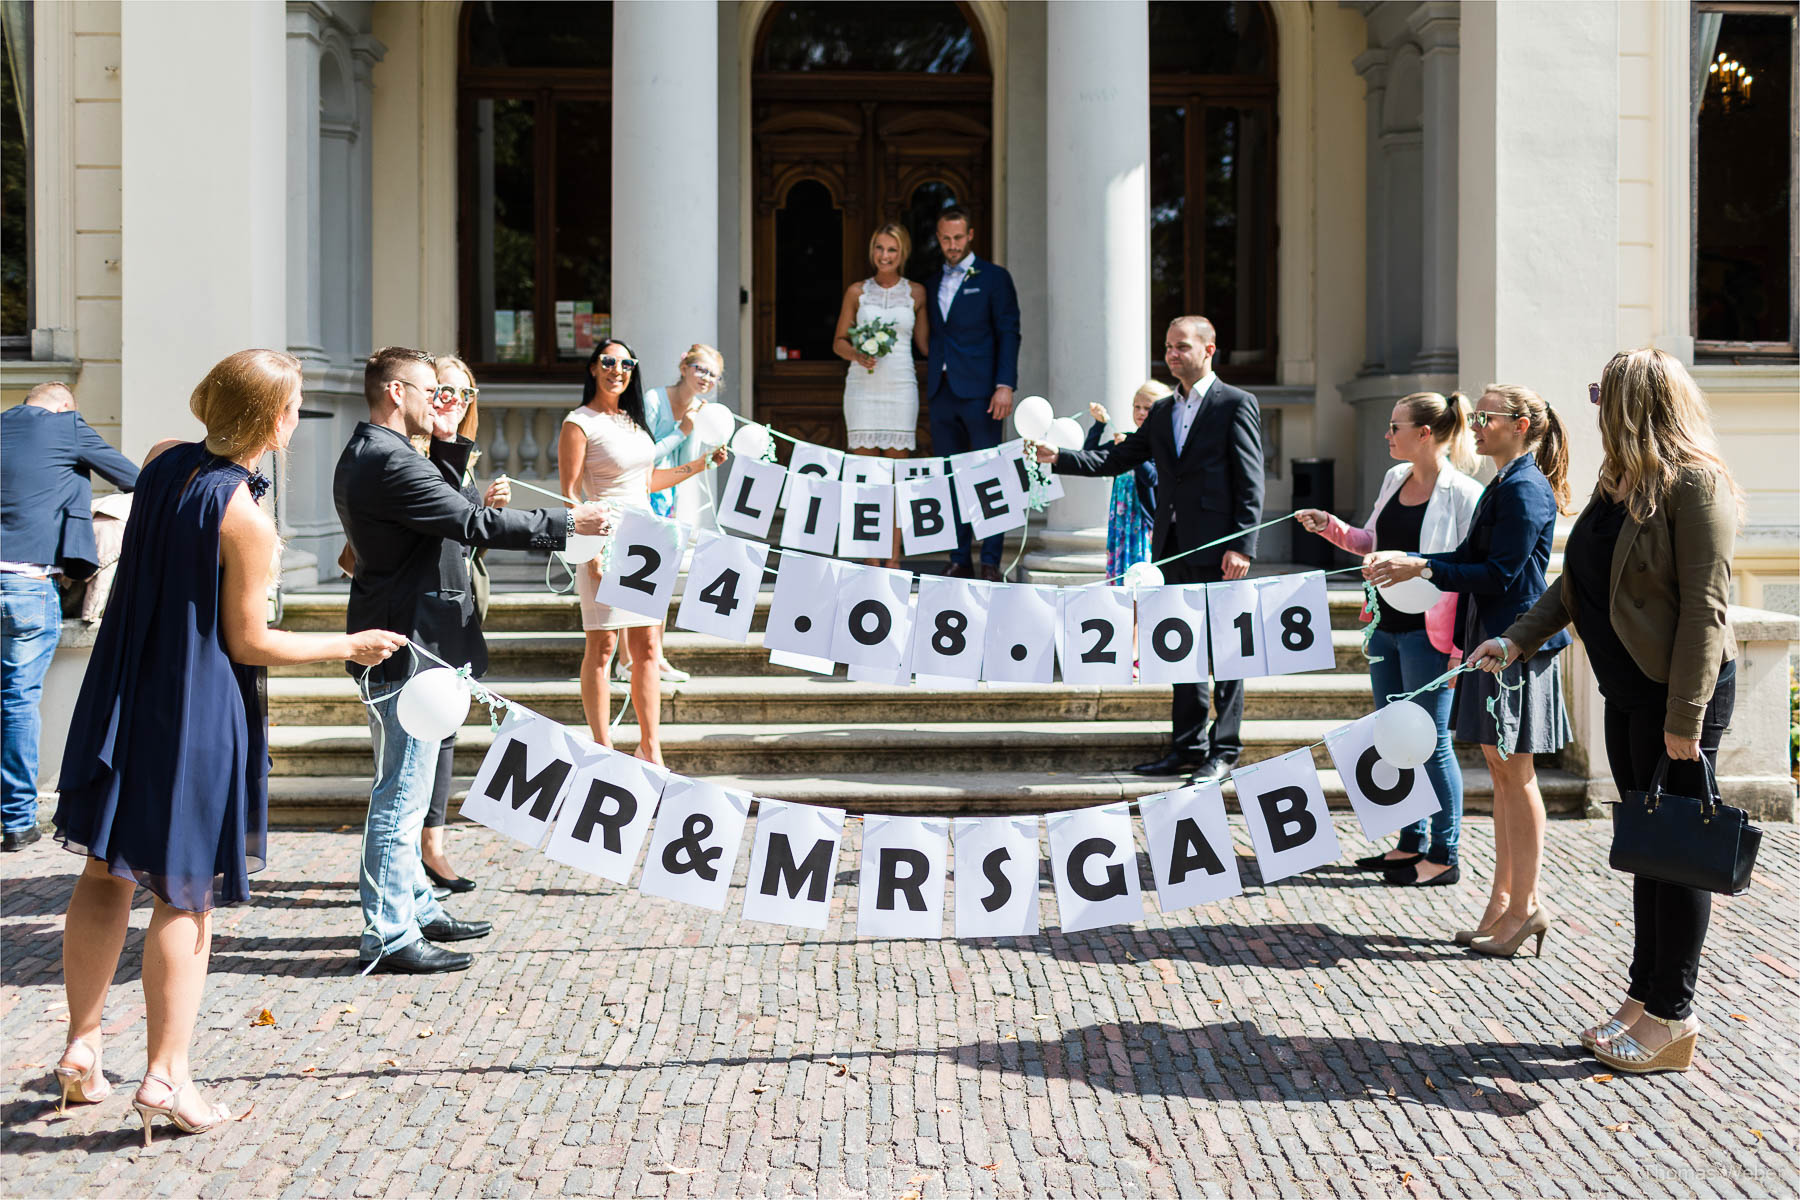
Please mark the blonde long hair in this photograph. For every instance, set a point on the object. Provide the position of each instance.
(1545, 436)
(1448, 419)
(241, 400)
(1654, 424)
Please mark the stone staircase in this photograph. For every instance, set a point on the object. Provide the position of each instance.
(826, 740)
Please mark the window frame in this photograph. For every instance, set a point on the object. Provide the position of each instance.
(1717, 350)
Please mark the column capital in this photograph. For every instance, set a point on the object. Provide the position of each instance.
(1438, 26)
(307, 20)
(365, 51)
(1372, 65)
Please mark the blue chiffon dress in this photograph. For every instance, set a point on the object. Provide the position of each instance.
(165, 778)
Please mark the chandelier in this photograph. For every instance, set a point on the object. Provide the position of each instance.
(1733, 80)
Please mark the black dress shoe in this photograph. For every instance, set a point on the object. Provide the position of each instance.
(422, 958)
(20, 839)
(1172, 763)
(1213, 770)
(1408, 876)
(991, 573)
(1381, 862)
(452, 930)
(461, 883)
(959, 571)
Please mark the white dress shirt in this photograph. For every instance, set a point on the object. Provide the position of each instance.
(954, 277)
(1187, 407)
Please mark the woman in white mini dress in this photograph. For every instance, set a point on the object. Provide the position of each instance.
(881, 395)
(605, 453)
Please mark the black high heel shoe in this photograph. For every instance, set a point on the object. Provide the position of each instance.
(461, 883)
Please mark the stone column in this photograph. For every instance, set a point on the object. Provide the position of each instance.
(665, 219)
(1097, 131)
(1372, 66)
(305, 335)
(1435, 23)
(203, 201)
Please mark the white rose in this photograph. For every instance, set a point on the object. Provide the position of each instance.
(870, 345)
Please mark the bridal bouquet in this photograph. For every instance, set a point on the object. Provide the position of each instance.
(876, 338)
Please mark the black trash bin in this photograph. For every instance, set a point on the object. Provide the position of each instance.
(1314, 486)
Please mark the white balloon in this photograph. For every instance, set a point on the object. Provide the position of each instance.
(712, 424)
(752, 441)
(1064, 434)
(433, 704)
(1032, 417)
(1405, 734)
(1143, 575)
(581, 547)
(1413, 595)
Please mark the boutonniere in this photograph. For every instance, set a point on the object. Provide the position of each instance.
(971, 273)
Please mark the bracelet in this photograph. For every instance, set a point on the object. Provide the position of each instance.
(568, 523)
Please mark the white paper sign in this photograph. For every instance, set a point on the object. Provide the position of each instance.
(751, 497)
(809, 508)
(1237, 636)
(988, 498)
(793, 864)
(868, 468)
(1053, 485)
(1296, 616)
(918, 468)
(802, 662)
(996, 876)
(1096, 641)
(951, 627)
(900, 893)
(1384, 797)
(1094, 864)
(866, 520)
(804, 602)
(899, 676)
(873, 624)
(694, 848)
(1284, 806)
(612, 799)
(1021, 634)
(817, 461)
(1172, 634)
(646, 558)
(927, 514)
(522, 781)
(1190, 846)
(723, 577)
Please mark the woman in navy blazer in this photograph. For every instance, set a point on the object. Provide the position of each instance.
(1498, 573)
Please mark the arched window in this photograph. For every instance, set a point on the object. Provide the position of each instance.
(534, 116)
(933, 38)
(1212, 177)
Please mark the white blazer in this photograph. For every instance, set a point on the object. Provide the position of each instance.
(1447, 513)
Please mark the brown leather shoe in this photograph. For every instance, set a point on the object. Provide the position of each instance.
(959, 571)
(990, 573)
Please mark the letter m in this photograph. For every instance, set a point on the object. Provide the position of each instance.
(782, 873)
(540, 790)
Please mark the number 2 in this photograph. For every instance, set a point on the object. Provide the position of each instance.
(1098, 653)
(639, 580)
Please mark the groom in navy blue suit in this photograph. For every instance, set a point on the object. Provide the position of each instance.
(974, 362)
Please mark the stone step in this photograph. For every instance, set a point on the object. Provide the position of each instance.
(343, 799)
(751, 700)
(518, 655)
(836, 749)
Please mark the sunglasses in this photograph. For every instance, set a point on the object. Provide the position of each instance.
(446, 394)
(1397, 426)
(611, 361)
(1593, 393)
(706, 373)
(1481, 420)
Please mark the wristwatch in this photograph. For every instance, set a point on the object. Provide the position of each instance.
(1425, 572)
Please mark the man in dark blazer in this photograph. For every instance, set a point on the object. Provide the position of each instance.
(47, 453)
(407, 521)
(973, 365)
(1206, 441)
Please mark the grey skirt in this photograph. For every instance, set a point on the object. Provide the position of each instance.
(1532, 716)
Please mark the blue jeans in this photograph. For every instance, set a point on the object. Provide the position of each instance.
(30, 628)
(1408, 661)
(396, 895)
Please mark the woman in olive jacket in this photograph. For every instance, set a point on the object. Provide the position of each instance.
(1646, 582)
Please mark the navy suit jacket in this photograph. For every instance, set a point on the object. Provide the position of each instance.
(46, 491)
(1498, 571)
(1212, 489)
(976, 349)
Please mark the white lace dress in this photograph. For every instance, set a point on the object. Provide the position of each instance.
(881, 408)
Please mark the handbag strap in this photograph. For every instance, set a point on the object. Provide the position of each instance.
(1711, 799)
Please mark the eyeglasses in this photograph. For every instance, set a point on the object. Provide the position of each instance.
(611, 361)
(706, 373)
(1593, 393)
(446, 394)
(1481, 420)
(415, 387)
(1397, 426)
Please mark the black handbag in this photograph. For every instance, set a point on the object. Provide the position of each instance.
(1703, 844)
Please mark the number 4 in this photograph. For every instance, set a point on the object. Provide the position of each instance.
(721, 593)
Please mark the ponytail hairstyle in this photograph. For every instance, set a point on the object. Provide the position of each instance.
(242, 398)
(1545, 436)
(1654, 424)
(1448, 419)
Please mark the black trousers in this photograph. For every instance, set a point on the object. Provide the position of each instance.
(1189, 708)
(1671, 920)
(439, 811)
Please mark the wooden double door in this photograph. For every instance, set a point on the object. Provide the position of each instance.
(835, 158)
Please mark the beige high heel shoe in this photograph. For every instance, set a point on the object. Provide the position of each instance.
(1625, 1053)
(1465, 936)
(1536, 925)
(172, 1109)
(87, 1085)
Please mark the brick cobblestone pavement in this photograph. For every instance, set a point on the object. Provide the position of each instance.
(1320, 1037)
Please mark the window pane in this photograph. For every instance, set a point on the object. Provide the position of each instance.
(1239, 206)
(1168, 220)
(930, 37)
(15, 180)
(532, 33)
(505, 228)
(583, 226)
(809, 271)
(1209, 39)
(928, 200)
(1744, 251)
